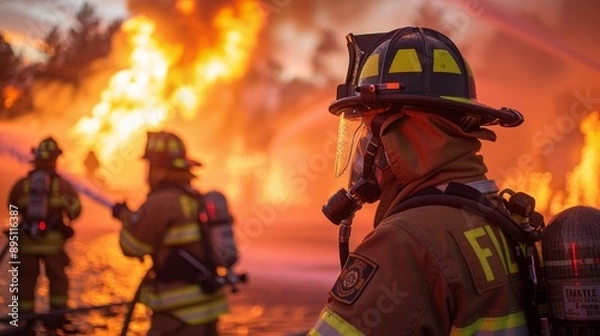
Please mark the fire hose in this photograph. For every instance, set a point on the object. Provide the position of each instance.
(95, 196)
(80, 186)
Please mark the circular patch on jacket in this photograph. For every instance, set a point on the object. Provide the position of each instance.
(357, 272)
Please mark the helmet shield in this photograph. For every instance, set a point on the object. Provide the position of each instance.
(354, 136)
(350, 127)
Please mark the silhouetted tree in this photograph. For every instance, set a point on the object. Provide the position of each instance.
(12, 95)
(70, 56)
(53, 46)
(9, 61)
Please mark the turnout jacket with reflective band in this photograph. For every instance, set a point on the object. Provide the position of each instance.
(167, 221)
(63, 201)
(433, 270)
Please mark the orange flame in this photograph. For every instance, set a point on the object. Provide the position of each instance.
(157, 87)
(185, 6)
(583, 182)
(10, 94)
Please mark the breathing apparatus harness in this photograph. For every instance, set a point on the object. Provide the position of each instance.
(39, 220)
(515, 216)
(211, 272)
(206, 276)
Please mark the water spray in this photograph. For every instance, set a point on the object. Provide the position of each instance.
(78, 184)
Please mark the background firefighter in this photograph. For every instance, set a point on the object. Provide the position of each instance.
(184, 301)
(410, 126)
(46, 201)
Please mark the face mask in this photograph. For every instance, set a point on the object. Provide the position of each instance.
(361, 188)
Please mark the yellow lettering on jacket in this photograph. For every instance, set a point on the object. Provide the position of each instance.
(482, 249)
(482, 253)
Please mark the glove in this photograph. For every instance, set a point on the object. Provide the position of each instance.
(118, 208)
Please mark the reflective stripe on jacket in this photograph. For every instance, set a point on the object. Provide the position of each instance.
(433, 270)
(168, 221)
(62, 199)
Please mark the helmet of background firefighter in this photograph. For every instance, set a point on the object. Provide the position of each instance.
(167, 158)
(46, 153)
(571, 259)
(166, 149)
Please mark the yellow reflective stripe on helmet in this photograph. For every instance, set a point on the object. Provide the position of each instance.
(159, 146)
(173, 146)
(183, 234)
(371, 67)
(444, 62)
(178, 297)
(513, 324)
(458, 99)
(179, 163)
(406, 60)
(331, 324)
(132, 245)
(202, 313)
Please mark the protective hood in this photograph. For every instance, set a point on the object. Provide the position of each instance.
(426, 150)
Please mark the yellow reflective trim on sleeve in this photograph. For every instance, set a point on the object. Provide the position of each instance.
(444, 62)
(406, 60)
(202, 313)
(331, 324)
(49, 244)
(26, 305)
(55, 187)
(132, 245)
(178, 297)
(182, 234)
(371, 67)
(513, 324)
(58, 300)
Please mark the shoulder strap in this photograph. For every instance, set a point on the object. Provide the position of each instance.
(470, 199)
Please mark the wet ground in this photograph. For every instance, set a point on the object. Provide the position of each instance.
(290, 255)
(291, 267)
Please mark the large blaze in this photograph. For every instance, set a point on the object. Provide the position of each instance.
(582, 183)
(10, 94)
(168, 79)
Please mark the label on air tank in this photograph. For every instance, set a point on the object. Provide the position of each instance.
(582, 301)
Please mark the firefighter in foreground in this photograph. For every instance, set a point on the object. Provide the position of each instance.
(47, 205)
(410, 127)
(183, 290)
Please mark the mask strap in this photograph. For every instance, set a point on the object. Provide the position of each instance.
(374, 144)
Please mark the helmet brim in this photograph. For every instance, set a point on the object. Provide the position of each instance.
(193, 163)
(490, 116)
(168, 162)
